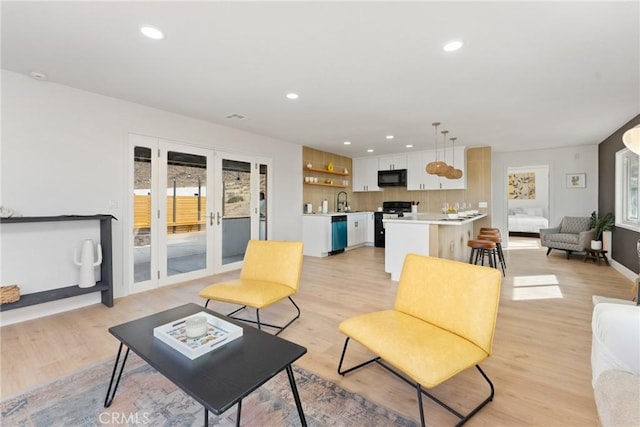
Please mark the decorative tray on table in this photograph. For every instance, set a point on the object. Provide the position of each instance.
(219, 332)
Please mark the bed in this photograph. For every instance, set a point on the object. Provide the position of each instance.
(527, 220)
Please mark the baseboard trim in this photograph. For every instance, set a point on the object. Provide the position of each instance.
(629, 274)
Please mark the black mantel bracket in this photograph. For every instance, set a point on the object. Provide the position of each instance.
(105, 285)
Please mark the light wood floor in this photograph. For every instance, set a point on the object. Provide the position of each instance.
(540, 366)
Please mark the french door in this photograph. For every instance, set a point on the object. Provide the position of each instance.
(192, 211)
(241, 207)
(172, 208)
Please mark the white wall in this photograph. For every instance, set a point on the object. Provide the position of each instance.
(64, 151)
(563, 201)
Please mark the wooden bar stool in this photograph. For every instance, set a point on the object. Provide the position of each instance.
(490, 230)
(480, 249)
(494, 231)
(497, 240)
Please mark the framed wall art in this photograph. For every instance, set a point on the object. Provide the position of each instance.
(521, 186)
(576, 180)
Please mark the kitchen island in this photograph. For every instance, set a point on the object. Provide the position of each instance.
(426, 234)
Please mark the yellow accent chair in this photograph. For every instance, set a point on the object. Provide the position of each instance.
(270, 273)
(442, 323)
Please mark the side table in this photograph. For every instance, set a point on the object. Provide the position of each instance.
(596, 255)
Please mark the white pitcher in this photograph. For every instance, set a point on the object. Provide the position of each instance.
(87, 264)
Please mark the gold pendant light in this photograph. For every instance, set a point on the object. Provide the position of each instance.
(453, 173)
(431, 166)
(436, 167)
(443, 167)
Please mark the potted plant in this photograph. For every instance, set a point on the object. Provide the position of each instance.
(601, 223)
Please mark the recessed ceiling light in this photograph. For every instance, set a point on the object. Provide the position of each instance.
(152, 33)
(370, 150)
(38, 76)
(409, 146)
(452, 46)
(235, 116)
(292, 96)
(347, 143)
(389, 137)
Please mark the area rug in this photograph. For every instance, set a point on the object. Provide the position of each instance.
(146, 398)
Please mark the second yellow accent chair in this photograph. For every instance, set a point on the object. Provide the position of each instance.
(442, 323)
(270, 273)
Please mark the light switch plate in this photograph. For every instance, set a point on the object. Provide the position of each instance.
(482, 205)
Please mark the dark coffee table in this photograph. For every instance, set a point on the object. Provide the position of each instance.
(217, 380)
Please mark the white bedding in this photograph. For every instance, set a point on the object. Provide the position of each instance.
(524, 223)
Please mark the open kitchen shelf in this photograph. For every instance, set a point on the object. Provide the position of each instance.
(324, 184)
(326, 171)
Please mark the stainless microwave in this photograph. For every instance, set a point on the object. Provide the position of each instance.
(392, 178)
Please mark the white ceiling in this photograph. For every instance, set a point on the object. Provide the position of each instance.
(530, 74)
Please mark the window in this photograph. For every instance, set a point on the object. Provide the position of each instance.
(627, 191)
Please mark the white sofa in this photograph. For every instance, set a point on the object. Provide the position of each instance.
(615, 362)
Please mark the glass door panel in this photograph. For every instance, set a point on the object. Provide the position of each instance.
(241, 206)
(142, 214)
(186, 212)
(263, 203)
(236, 209)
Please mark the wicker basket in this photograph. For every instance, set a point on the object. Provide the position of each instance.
(9, 294)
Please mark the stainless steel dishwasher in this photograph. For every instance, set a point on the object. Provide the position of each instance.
(338, 234)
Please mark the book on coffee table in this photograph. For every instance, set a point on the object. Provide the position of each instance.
(219, 332)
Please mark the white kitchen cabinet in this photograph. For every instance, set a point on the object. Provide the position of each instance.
(316, 235)
(392, 162)
(365, 174)
(417, 176)
(356, 229)
(419, 179)
(370, 229)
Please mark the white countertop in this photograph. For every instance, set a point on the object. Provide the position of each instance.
(431, 218)
(337, 213)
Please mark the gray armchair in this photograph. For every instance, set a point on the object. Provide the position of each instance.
(572, 235)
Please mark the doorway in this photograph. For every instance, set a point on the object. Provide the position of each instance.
(527, 199)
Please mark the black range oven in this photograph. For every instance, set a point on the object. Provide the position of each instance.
(389, 210)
